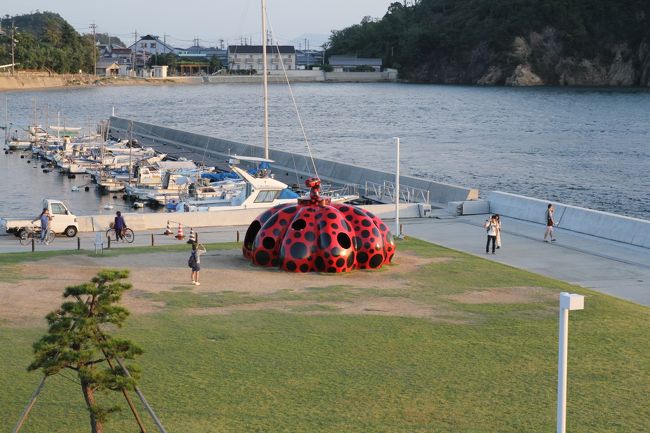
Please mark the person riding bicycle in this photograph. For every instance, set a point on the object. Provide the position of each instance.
(119, 225)
(45, 219)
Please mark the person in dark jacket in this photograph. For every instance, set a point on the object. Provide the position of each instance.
(119, 225)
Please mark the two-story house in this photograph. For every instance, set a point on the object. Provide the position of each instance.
(150, 45)
(250, 57)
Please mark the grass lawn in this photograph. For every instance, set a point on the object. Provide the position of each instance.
(486, 361)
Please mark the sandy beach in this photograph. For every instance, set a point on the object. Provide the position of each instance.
(42, 80)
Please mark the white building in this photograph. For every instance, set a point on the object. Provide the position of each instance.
(159, 71)
(249, 57)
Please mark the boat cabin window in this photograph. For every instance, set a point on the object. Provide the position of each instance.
(58, 209)
(266, 196)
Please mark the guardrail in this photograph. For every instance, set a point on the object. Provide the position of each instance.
(386, 191)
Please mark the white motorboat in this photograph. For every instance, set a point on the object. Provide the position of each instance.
(250, 192)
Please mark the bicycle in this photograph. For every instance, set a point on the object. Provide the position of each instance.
(127, 234)
(33, 232)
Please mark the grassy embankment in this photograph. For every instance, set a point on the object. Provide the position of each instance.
(482, 362)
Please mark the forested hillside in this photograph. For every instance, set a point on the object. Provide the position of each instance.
(46, 42)
(514, 42)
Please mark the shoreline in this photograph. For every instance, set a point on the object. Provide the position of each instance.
(27, 81)
(45, 81)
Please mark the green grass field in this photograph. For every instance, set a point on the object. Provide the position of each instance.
(476, 367)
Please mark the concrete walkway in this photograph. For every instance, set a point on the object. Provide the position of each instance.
(609, 267)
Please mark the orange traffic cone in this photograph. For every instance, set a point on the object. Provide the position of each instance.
(180, 235)
(192, 238)
(168, 230)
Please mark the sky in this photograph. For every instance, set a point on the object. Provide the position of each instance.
(208, 20)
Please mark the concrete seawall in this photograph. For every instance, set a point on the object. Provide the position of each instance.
(329, 171)
(298, 76)
(225, 218)
(604, 225)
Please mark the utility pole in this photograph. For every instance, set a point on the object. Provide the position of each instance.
(13, 46)
(93, 26)
(135, 42)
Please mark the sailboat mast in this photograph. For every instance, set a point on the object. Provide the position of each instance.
(130, 150)
(266, 83)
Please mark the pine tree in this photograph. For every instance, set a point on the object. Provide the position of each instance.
(78, 339)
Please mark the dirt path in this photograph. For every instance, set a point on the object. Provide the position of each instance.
(38, 286)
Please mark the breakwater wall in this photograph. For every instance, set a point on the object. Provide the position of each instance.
(605, 225)
(330, 171)
(297, 76)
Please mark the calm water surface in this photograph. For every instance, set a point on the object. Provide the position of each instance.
(587, 147)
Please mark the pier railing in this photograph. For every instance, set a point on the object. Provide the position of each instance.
(385, 192)
(350, 189)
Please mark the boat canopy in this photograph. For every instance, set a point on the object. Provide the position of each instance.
(288, 193)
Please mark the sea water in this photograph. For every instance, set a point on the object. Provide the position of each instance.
(585, 147)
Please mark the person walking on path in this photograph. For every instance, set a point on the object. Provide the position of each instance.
(550, 222)
(194, 262)
(497, 218)
(491, 227)
(119, 225)
(45, 219)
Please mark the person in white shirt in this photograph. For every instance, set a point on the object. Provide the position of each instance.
(491, 225)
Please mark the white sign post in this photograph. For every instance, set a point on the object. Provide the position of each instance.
(568, 302)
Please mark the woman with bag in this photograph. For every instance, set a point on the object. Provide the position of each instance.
(497, 218)
(194, 262)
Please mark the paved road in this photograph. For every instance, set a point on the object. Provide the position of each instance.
(609, 267)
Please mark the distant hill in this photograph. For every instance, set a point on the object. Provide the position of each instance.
(511, 42)
(47, 42)
(105, 39)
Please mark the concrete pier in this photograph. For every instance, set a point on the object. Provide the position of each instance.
(216, 150)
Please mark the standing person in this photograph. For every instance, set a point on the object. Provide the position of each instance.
(119, 225)
(194, 262)
(497, 218)
(550, 222)
(491, 227)
(45, 219)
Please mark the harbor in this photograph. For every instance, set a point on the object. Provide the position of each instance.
(443, 213)
(296, 228)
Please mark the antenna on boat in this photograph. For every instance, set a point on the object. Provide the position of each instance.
(130, 149)
(266, 83)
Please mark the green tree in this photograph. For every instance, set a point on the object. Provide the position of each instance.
(215, 64)
(47, 41)
(77, 339)
(460, 40)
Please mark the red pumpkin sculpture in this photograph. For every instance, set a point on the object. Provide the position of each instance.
(315, 235)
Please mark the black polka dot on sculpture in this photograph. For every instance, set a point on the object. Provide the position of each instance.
(269, 243)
